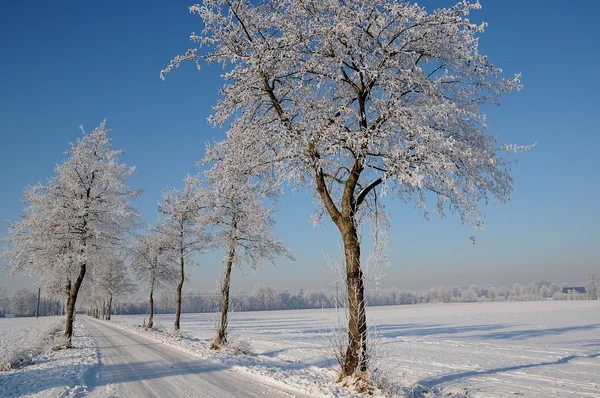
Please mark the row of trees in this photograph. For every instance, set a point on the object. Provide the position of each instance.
(353, 100)
(80, 231)
(267, 298)
(25, 303)
(224, 209)
(537, 290)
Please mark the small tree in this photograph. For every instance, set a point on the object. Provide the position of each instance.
(4, 301)
(180, 231)
(112, 281)
(83, 211)
(356, 99)
(591, 289)
(240, 223)
(24, 303)
(151, 264)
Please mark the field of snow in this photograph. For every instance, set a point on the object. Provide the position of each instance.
(531, 349)
(22, 338)
(44, 373)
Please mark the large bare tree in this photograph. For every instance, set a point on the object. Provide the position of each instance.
(359, 99)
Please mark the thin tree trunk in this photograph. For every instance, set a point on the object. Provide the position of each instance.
(222, 331)
(108, 307)
(179, 288)
(71, 304)
(151, 304)
(355, 359)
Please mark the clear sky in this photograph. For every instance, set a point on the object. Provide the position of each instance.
(72, 62)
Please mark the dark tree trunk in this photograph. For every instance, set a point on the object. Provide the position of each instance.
(355, 358)
(222, 331)
(108, 307)
(68, 294)
(151, 304)
(71, 304)
(179, 288)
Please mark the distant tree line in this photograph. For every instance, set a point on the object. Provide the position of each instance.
(267, 298)
(24, 303)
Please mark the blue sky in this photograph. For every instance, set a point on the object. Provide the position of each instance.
(67, 63)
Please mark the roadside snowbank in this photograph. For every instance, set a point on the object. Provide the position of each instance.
(48, 373)
(23, 339)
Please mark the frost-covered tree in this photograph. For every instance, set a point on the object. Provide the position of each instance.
(68, 223)
(111, 280)
(151, 264)
(4, 301)
(591, 289)
(545, 292)
(240, 223)
(180, 231)
(24, 302)
(358, 99)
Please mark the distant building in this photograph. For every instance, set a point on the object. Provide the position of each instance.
(573, 290)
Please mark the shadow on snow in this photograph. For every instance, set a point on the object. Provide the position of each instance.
(433, 382)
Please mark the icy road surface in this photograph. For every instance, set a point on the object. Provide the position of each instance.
(134, 366)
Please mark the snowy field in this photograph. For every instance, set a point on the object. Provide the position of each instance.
(44, 372)
(531, 349)
(20, 338)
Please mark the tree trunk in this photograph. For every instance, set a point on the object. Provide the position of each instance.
(151, 304)
(355, 359)
(71, 304)
(179, 288)
(222, 331)
(108, 307)
(68, 294)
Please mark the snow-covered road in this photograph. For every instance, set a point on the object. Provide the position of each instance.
(134, 366)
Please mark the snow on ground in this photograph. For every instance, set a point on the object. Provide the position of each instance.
(24, 338)
(262, 363)
(134, 366)
(48, 373)
(531, 349)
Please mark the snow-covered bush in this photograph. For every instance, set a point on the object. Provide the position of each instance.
(237, 345)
